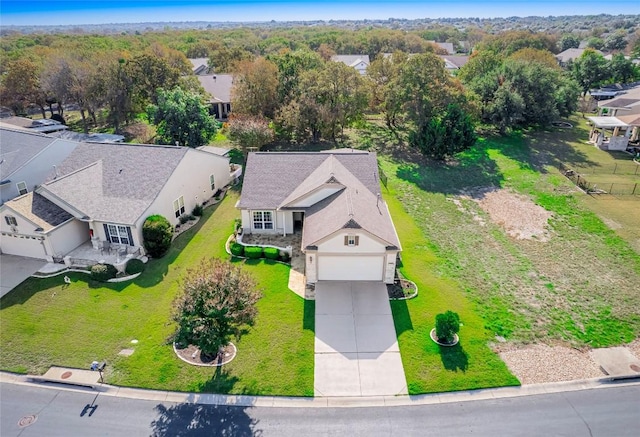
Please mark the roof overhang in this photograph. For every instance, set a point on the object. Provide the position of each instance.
(607, 122)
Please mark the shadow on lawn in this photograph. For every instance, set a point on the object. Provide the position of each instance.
(220, 382)
(454, 358)
(401, 316)
(309, 315)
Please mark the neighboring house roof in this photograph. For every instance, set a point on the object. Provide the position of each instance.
(631, 119)
(18, 147)
(43, 125)
(454, 62)
(113, 182)
(607, 122)
(38, 210)
(89, 138)
(571, 54)
(274, 180)
(626, 99)
(199, 65)
(220, 151)
(448, 46)
(351, 60)
(218, 85)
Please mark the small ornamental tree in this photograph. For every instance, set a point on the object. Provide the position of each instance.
(447, 326)
(218, 302)
(156, 234)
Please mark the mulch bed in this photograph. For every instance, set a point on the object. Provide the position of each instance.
(193, 355)
(402, 289)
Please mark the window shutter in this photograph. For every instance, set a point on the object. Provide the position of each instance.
(106, 232)
(346, 240)
(130, 236)
(357, 240)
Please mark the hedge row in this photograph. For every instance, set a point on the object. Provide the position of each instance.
(256, 252)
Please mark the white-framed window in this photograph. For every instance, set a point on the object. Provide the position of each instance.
(10, 220)
(119, 234)
(22, 188)
(178, 206)
(212, 182)
(351, 240)
(262, 220)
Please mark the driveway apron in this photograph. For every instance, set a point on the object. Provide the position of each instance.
(356, 348)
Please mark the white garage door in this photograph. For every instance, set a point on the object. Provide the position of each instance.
(22, 246)
(350, 268)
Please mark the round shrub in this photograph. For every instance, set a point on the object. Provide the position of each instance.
(271, 253)
(157, 233)
(447, 326)
(134, 266)
(103, 272)
(284, 256)
(237, 249)
(197, 210)
(253, 252)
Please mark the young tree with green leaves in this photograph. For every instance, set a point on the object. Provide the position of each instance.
(181, 118)
(249, 132)
(218, 303)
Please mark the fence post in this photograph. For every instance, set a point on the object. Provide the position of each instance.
(611, 189)
(634, 189)
(615, 168)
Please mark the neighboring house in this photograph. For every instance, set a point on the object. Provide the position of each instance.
(104, 192)
(359, 62)
(571, 55)
(333, 198)
(219, 87)
(448, 46)
(27, 158)
(199, 65)
(618, 122)
(453, 63)
(43, 125)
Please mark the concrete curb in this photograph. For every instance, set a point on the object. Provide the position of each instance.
(330, 402)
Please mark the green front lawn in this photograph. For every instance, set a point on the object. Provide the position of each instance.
(44, 322)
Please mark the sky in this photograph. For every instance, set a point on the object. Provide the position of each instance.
(58, 12)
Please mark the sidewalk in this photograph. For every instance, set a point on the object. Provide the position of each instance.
(331, 402)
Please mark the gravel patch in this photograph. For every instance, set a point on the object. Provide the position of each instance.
(634, 347)
(541, 363)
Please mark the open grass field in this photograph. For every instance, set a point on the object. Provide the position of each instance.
(45, 323)
(576, 286)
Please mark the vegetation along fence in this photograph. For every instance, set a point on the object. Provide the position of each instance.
(630, 168)
(600, 187)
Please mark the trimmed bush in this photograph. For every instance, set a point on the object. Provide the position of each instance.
(134, 266)
(237, 249)
(253, 252)
(447, 326)
(284, 256)
(157, 233)
(103, 272)
(185, 218)
(197, 210)
(271, 253)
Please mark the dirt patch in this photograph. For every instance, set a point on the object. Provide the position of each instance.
(518, 215)
(193, 355)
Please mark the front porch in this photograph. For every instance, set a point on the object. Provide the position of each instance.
(87, 255)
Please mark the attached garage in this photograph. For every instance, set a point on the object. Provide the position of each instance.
(356, 267)
(23, 245)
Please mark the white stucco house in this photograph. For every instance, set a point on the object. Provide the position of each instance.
(333, 198)
(27, 158)
(104, 192)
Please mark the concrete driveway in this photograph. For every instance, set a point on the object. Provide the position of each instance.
(356, 349)
(15, 269)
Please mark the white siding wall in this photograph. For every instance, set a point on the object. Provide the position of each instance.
(68, 236)
(282, 221)
(36, 171)
(24, 241)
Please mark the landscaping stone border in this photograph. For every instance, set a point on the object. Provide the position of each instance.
(432, 334)
(65, 270)
(411, 296)
(227, 248)
(233, 355)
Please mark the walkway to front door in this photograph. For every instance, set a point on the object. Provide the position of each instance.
(356, 349)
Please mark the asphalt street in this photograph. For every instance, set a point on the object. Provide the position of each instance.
(611, 411)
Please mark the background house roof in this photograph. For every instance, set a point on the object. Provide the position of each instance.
(218, 85)
(113, 182)
(39, 210)
(17, 147)
(351, 60)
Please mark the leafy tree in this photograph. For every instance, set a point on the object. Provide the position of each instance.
(149, 72)
(181, 118)
(509, 42)
(616, 41)
(445, 135)
(157, 233)
(589, 70)
(382, 74)
(543, 57)
(569, 41)
(291, 65)
(249, 132)
(447, 326)
(595, 43)
(20, 86)
(255, 86)
(622, 69)
(218, 303)
(118, 93)
(506, 109)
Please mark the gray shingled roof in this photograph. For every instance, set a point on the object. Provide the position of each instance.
(218, 85)
(273, 179)
(114, 182)
(17, 147)
(39, 210)
(351, 60)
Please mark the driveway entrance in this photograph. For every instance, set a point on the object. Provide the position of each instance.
(356, 349)
(15, 269)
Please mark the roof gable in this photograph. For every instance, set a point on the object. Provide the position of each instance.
(38, 210)
(18, 147)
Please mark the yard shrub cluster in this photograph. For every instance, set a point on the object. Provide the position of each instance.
(185, 218)
(271, 253)
(157, 233)
(253, 252)
(134, 266)
(237, 249)
(103, 272)
(197, 210)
